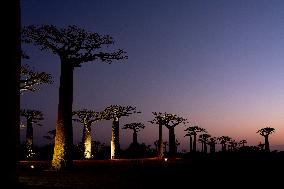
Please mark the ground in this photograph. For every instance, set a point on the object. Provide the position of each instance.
(228, 171)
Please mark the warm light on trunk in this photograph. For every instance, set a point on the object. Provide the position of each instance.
(87, 141)
(62, 156)
(115, 146)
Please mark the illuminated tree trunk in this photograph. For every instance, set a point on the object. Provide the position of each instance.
(172, 142)
(194, 142)
(135, 141)
(29, 139)
(62, 156)
(115, 146)
(160, 142)
(266, 143)
(87, 141)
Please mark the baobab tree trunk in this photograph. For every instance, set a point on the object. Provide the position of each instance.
(190, 143)
(205, 147)
(212, 148)
(224, 147)
(87, 141)
(62, 156)
(115, 146)
(160, 142)
(135, 141)
(194, 143)
(172, 142)
(29, 139)
(266, 143)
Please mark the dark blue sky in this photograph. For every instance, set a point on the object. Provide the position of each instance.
(217, 63)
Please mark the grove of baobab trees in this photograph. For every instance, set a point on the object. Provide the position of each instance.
(74, 46)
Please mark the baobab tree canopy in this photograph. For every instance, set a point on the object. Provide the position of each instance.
(86, 116)
(117, 111)
(134, 126)
(266, 131)
(33, 115)
(71, 43)
(30, 79)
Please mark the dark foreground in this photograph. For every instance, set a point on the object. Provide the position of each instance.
(222, 170)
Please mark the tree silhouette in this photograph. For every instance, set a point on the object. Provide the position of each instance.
(265, 132)
(212, 143)
(136, 128)
(159, 119)
(171, 121)
(203, 139)
(87, 118)
(177, 143)
(260, 146)
(165, 146)
(156, 144)
(50, 135)
(32, 117)
(96, 146)
(190, 134)
(242, 143)
(74, 46)
(223, 141)
(114, 113)
(233, 145)
(30, 79)
(193, 130)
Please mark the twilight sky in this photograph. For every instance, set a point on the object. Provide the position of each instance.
(217, 63)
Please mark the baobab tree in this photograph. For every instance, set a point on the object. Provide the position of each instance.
(193, 130)
(33, 117)
(30, 79)
(265, 132)
(212, 143)
(87, 118)
(165, 143)
(96, 146)
(50, 135)
(190, 134)
(223, 141)
(242, 143)
(114, 113)
(233, 145)
(203, 139)
(177, 143)
(156, 144)
(171, 121)
(135, 127)
(74, 46)
(159, 119)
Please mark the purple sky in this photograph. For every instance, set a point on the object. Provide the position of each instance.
(217, 63)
